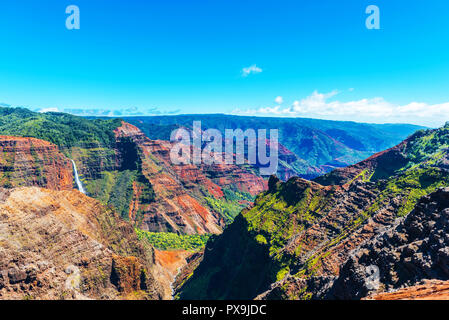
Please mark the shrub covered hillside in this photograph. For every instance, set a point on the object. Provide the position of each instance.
(62, 129)
(292, 242)
(173, 241)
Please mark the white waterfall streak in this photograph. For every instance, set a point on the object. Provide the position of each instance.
(77, 179)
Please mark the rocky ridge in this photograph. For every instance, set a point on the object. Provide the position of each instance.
(294, 239)
(65, 245)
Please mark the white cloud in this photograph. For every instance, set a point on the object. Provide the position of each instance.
(49, 110)
(374, 110)
(279, 100)
(123, 112)
(249, 70)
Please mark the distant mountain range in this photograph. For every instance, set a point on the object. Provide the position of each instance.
(312, 147)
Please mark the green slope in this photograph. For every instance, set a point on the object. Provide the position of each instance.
(299, 232)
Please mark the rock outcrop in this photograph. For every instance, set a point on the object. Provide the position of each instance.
(417, 248)
(65, 245)
(428, 290)
(168, 265)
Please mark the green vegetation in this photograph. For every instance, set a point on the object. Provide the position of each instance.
(62, 129)
(278, 218)
(234, 195)
(231, 205)
(172, 241)
(114, 188)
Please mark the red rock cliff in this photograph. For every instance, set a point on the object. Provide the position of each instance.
(181, 189)
(33, 162)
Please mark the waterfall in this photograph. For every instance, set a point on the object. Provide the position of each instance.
(77, 178)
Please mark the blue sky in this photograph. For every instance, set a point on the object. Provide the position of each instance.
(316, 57)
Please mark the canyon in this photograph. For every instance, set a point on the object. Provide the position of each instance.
(180, 190)
(118, 165)
(282, 238)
